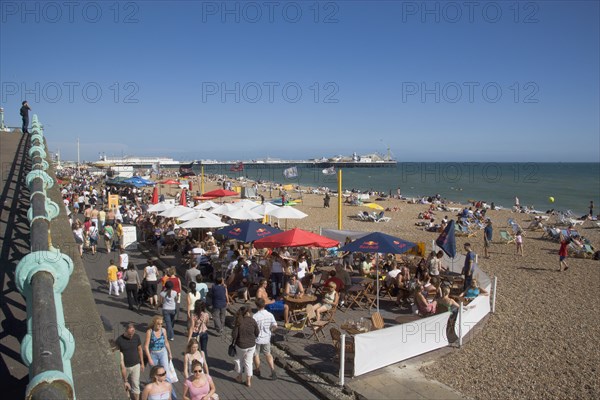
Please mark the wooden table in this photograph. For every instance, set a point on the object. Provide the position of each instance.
(298, 303)
(302, 300)
(353, 330)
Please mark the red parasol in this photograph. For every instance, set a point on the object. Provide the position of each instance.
(155, 195)
(190, 185)
(219, 193)
(295, 238)
(183, 198)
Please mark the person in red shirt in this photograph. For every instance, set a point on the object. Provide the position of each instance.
(339, 284)
(563, 252)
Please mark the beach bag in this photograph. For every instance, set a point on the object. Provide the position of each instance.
(94, 234)
(171, 373)
(231, 350)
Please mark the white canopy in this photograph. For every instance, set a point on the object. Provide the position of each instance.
(203, 222)
(175, 212)
(159, 207)
(288, 212)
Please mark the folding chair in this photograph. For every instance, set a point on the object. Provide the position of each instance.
(316, 326)
(377, 321)
(336, 337)
(296, 326)
(355, 295)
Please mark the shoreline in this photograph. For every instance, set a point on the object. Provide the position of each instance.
(454, 191)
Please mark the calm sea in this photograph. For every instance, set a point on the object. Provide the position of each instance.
(572, 185)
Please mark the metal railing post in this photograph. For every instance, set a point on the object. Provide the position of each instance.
(342, 358)
(494, 288)
(41, 277)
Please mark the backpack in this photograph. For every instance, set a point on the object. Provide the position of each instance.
(94, 233)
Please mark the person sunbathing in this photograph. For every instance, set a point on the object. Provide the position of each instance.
(473, 291)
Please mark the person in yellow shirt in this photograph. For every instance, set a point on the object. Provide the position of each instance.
(118, 243)
(111, 278)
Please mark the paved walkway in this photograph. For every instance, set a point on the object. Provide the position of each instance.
(115, 314)
(14, 242)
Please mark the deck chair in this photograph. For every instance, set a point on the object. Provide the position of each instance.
(506, 237)
(382, 218)
(316, 326)
(363, 216)
(377, 321)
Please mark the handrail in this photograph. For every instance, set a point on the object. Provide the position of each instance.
(41, 277)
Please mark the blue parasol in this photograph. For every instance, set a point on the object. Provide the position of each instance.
(378, 242)
(248, 231)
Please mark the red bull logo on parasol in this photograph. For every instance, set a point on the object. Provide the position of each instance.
(369, 245)
(262, 232)
(235, 231)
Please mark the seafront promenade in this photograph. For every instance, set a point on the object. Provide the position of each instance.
(93, 318)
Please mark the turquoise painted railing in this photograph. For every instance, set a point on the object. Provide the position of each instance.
(41, 278)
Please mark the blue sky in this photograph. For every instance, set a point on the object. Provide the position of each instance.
(434, 81)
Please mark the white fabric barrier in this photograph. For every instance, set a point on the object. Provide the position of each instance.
(373, 350)
(473, 313)
(129, 236)
(383, 347)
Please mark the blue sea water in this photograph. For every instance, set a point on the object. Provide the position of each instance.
(572, 185)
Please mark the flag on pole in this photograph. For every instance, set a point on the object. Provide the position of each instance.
(238, 167)
(291, 172)
(329, 171)
(447, 241)
(186, 170)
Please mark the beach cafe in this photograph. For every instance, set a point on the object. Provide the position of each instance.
(371, 316)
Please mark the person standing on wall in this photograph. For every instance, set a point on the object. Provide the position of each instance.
(25, 115)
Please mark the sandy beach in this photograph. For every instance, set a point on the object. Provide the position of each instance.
(542, 342)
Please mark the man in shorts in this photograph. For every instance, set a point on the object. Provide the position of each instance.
(130, 345)
(266, 325)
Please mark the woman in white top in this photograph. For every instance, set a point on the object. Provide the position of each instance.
(276, 274)
(78, 235)
(302, 267)
(93, 235)
(192, 353)
(192, 296)
(151, 283)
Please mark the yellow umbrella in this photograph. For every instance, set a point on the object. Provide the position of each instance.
(374, 206)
